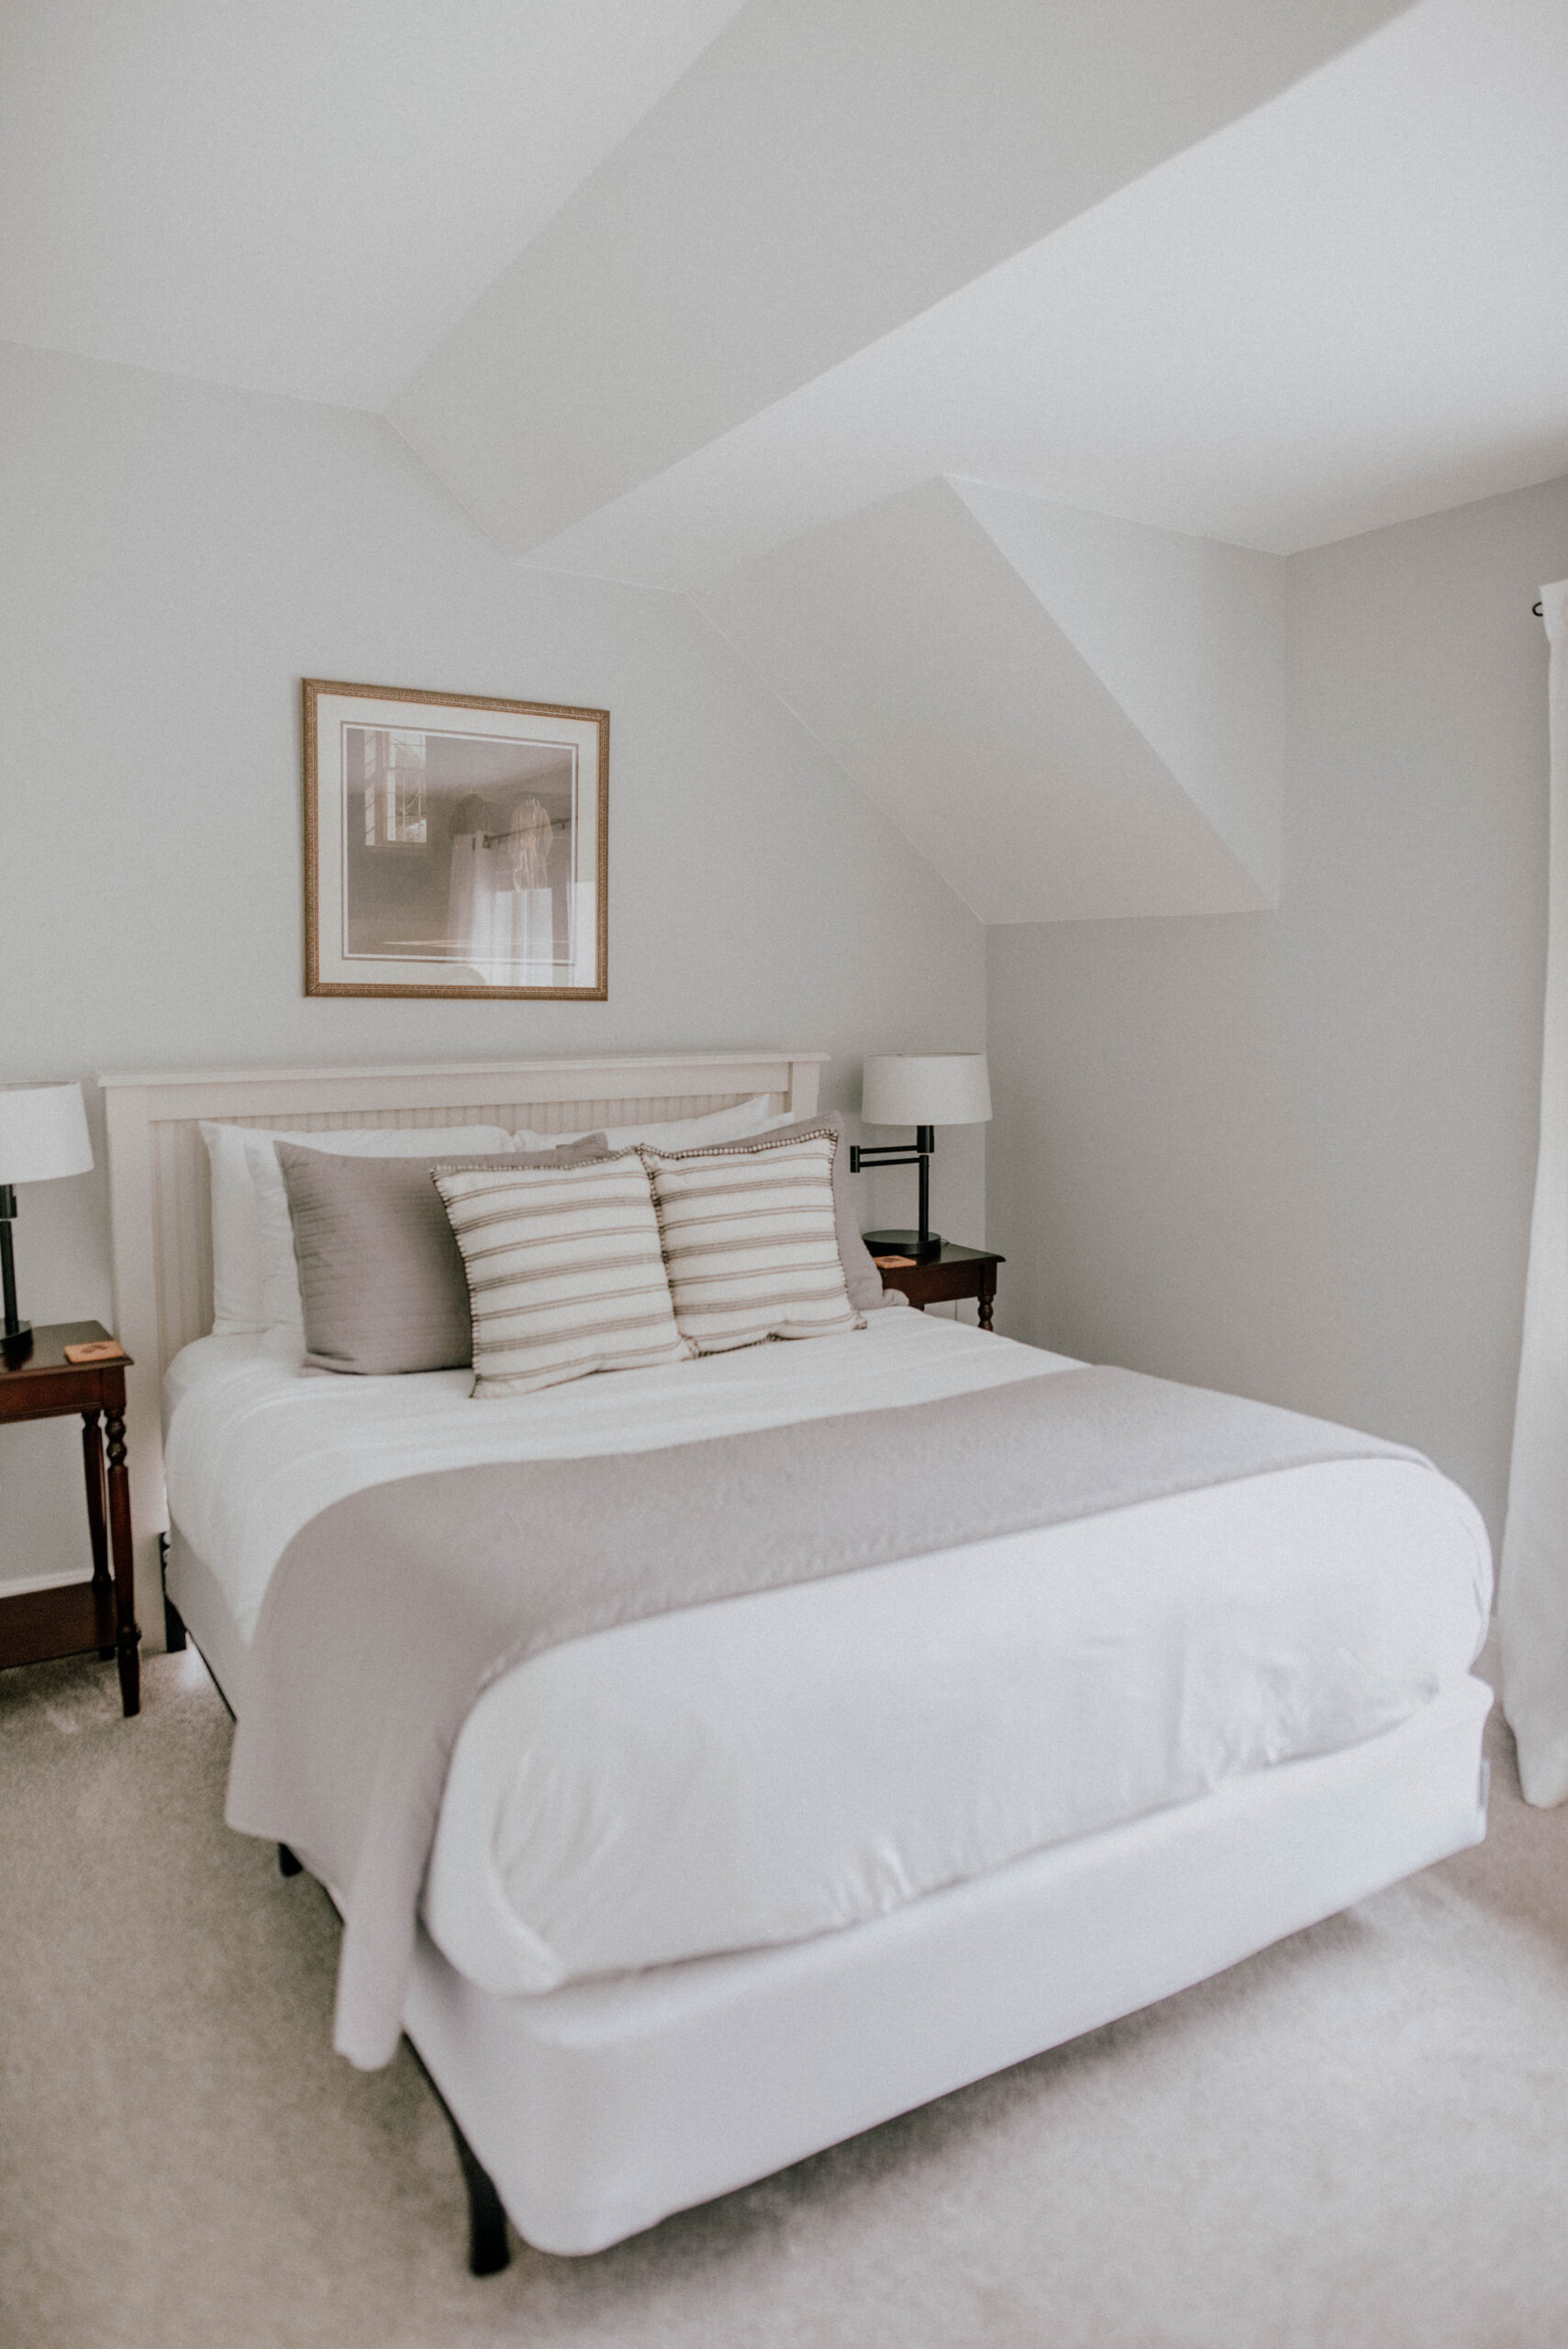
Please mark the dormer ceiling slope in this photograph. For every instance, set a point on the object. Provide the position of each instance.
(973, 363)
(823, 176)
(1343, 310)
(1071, 718)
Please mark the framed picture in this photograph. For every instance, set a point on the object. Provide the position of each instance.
(454, 846)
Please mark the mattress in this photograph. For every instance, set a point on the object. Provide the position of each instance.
(790, 1763)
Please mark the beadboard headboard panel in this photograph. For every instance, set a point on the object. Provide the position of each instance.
(159, 1198)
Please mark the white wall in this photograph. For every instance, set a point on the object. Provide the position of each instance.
(1291, 1152)
(172, 560)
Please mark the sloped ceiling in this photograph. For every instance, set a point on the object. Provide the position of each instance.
(971, 365)
(823, 176)
(301, 195)
(1337, 311)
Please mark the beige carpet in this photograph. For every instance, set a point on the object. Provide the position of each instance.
(1356, 2140)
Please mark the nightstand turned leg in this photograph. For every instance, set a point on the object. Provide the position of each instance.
(97, 1522)
(126, 1633)
(987, 1300)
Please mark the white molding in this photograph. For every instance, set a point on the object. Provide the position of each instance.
(18, 1586)
(594, 1064)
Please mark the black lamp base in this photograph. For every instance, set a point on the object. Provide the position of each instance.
(903, 1243)
(13, 1329)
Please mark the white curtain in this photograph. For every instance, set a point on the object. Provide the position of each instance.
(506, 933)
(1533, 1586)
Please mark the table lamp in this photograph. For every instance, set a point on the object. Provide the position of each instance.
(924, 1090)
(43, 1133)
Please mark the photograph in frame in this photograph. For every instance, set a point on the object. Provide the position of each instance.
(453, 845)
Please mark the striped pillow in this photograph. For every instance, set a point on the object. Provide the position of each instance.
(750, 1242)
(563, 1268)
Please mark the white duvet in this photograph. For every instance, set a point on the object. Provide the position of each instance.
(782, 1765)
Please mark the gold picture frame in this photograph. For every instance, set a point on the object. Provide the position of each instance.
(454, 831)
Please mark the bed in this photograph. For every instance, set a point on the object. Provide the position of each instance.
(711, 1891)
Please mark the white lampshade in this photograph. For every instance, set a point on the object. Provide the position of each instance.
(925, 1089)
(43, 1133)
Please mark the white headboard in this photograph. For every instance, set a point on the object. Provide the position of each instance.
(159, 1203)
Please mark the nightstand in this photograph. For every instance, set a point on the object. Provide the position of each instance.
(77, 1616)
(956, 1272)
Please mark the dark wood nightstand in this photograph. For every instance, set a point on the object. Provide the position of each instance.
(77, 1616)
(957, 1272)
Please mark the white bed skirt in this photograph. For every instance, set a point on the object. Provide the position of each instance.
(601, 2107)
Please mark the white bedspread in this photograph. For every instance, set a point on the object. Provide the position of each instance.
(781, 1764)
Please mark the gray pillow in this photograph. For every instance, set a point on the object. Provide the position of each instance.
(860, 1276)
(381, 1276)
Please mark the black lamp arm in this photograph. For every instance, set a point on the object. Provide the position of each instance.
(897, 1154)
(900, 1154)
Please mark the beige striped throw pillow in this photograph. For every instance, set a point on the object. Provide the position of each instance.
(750, 1242)
(564, 1271)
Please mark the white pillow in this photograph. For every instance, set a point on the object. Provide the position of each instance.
(236, 1234)
(752, 1116)
(255, 1282)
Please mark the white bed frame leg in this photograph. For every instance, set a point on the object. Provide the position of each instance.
(489, 2247)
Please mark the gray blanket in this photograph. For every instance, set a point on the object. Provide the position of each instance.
(392, 1610)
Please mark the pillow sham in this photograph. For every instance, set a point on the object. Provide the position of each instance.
(254, 1284)
(282, 1308)
(750, 1240)
(861, 1278)
(564, 1271)
(381, 1276)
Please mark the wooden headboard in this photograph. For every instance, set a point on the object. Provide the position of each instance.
(159, 1199)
